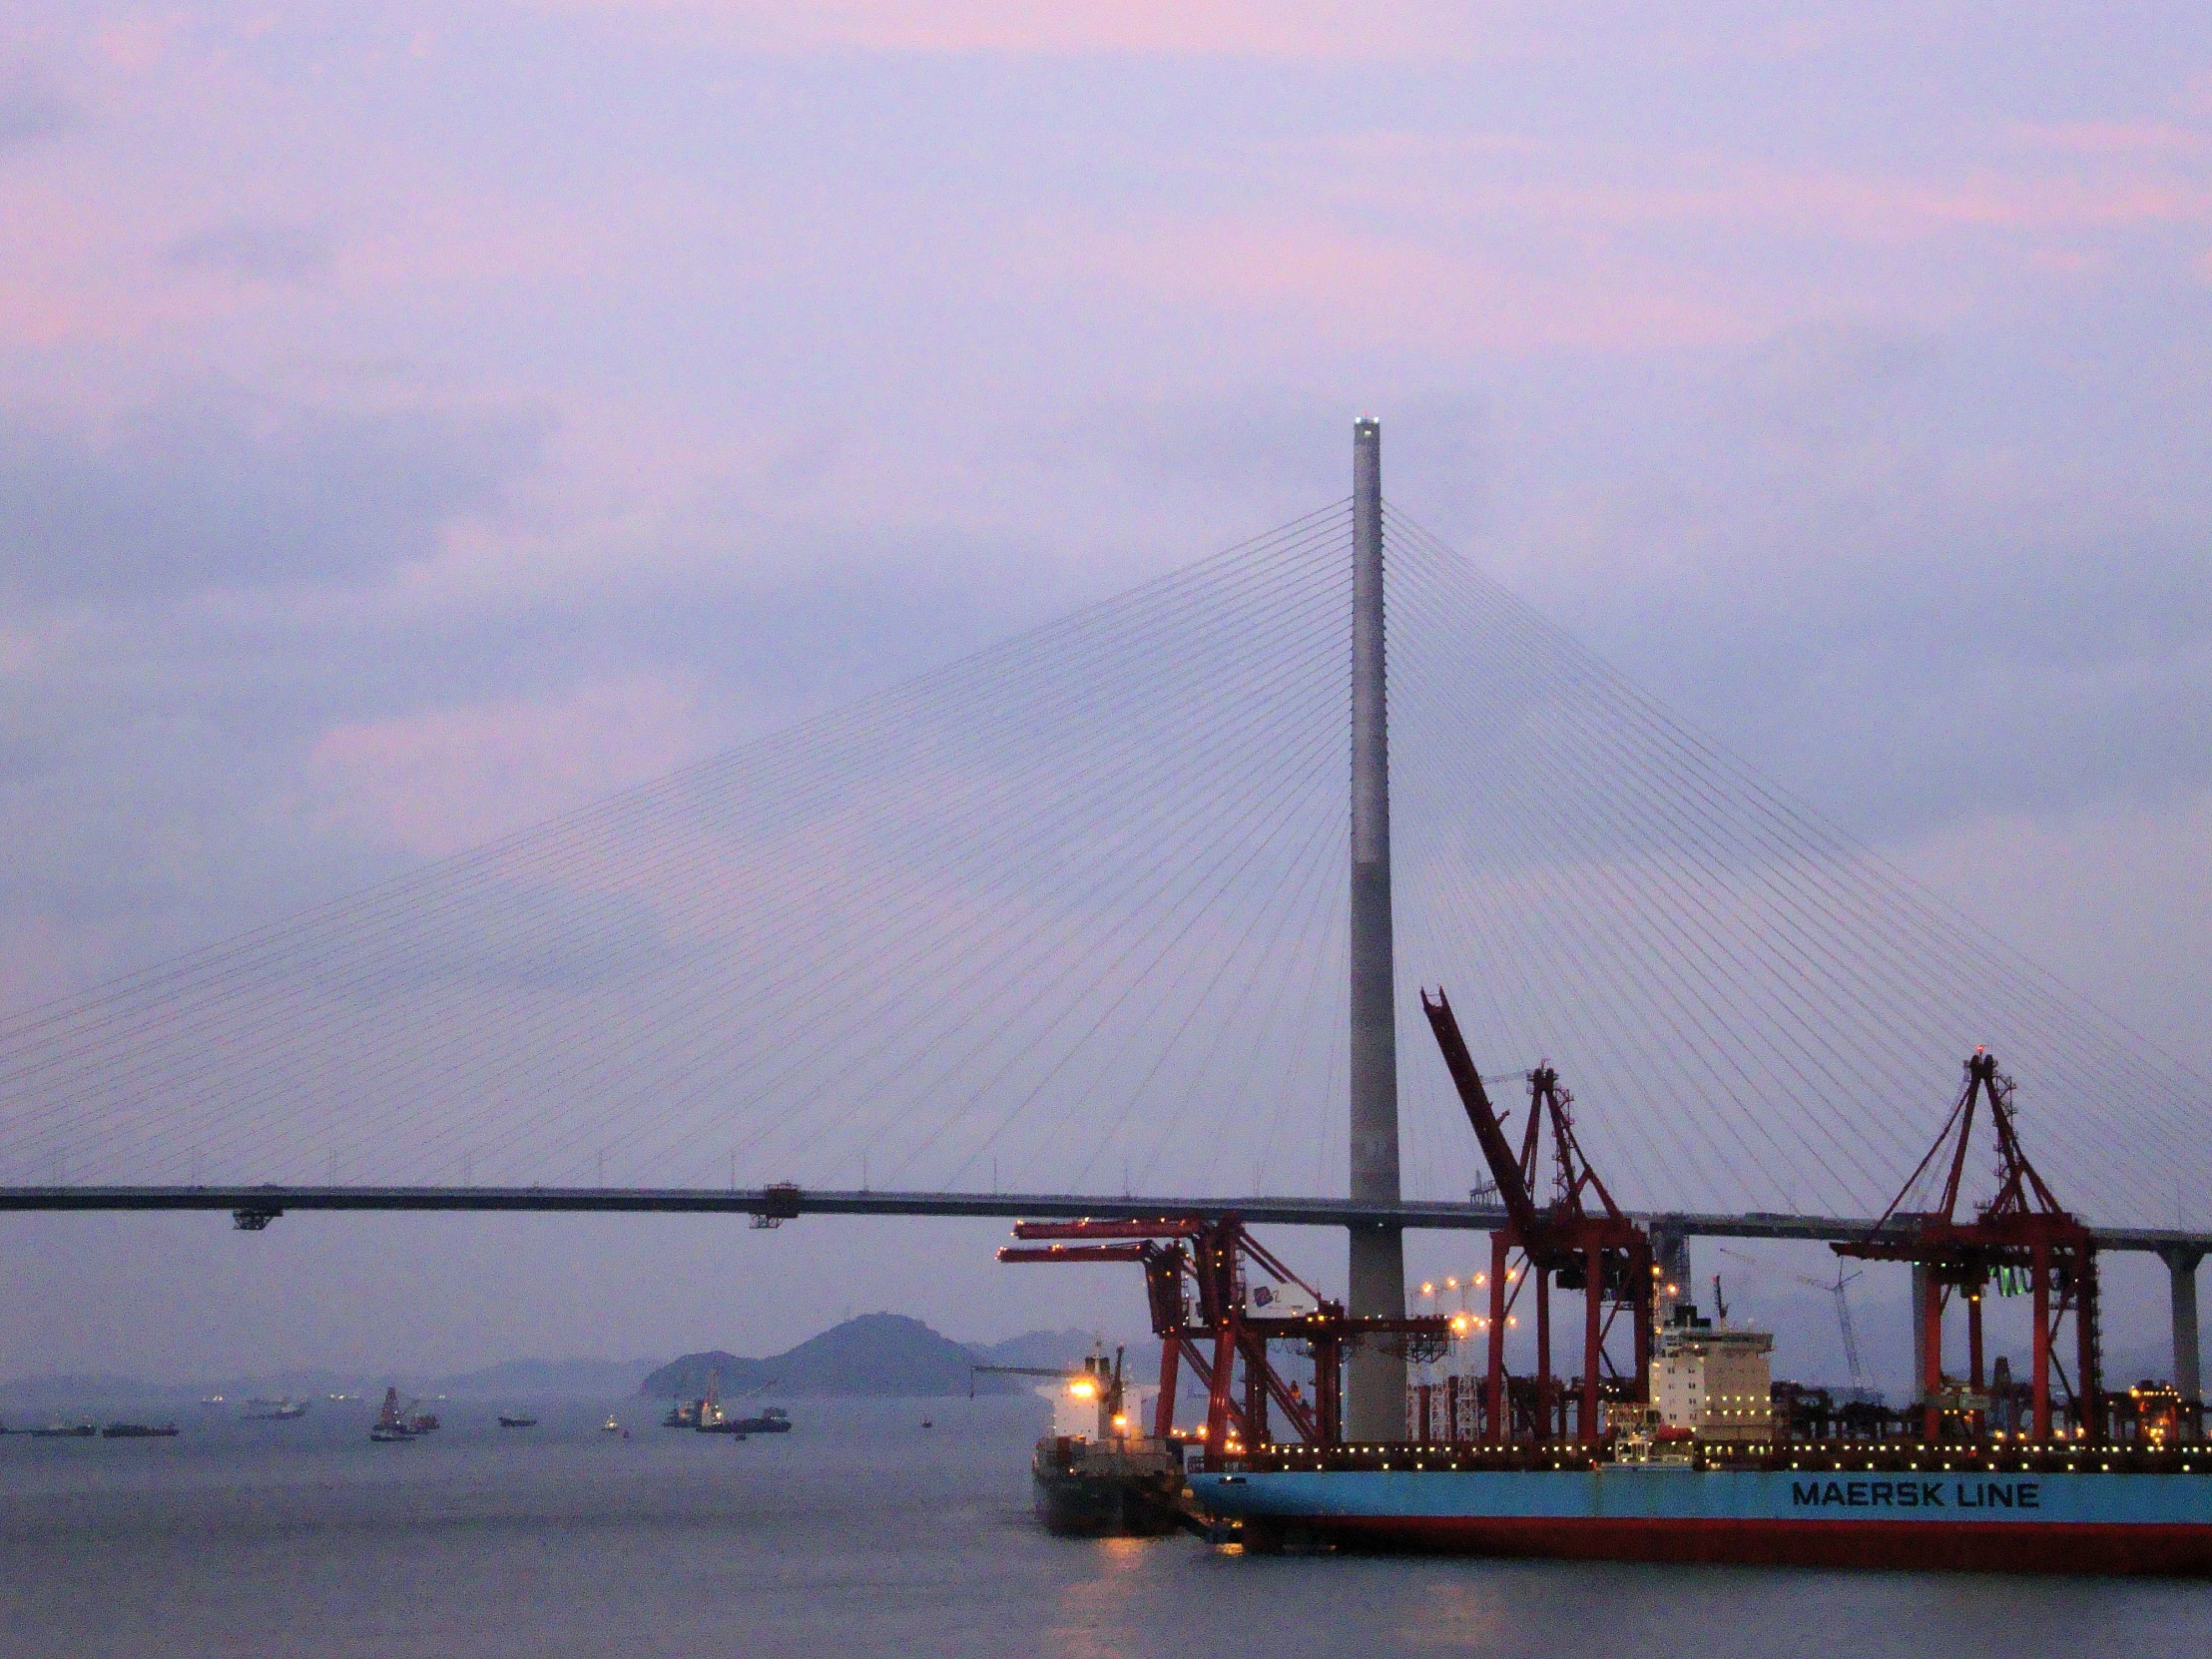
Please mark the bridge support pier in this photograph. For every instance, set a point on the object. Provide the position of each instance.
(2181, 1278)
(1670, 1254)
(1919, 1336)
(1375, 1396)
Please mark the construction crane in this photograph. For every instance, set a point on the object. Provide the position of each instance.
(1838, 1289)
(1592, 1248)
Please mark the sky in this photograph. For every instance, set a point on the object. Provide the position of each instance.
(419, 419)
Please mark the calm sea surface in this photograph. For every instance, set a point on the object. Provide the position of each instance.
(860, 1533)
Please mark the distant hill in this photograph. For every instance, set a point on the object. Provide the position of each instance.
(89, 1386)
(1036, 1348)
(876, 1353)
(1069, 1349)
(549, 1376)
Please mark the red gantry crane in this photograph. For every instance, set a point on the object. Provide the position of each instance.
(2021, 1233)
(1599, 1251)
(1218, 1299)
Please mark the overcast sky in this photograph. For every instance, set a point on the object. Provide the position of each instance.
(415, 419)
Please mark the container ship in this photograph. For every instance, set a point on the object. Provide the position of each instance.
(2127, 1510)
(2116, 1513)
(1683, 1449)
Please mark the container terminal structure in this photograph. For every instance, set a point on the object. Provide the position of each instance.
(1598, 1469)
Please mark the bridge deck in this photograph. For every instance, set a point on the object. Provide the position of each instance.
(784, 1202)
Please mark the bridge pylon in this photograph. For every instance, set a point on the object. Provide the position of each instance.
(1375, 1396)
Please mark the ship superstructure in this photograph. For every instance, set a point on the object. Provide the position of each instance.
(1713, 1382)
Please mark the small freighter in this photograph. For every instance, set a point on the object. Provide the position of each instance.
(1689, 1452)
(139, 1431)
(1098, 1474)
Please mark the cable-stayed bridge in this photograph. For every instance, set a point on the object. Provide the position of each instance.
(1065, 927)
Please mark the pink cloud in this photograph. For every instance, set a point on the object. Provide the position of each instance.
(451, 778)
(1323, 29)
(1345, 285)
(2114, 138)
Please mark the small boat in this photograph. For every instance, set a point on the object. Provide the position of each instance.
(139, 1431)
(516, 1420)
(609, 1426)
(65, 1431)
(273, 1410)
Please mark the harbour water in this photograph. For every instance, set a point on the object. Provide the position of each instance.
(863, 1533)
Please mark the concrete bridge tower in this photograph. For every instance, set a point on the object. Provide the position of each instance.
(1374, 1393)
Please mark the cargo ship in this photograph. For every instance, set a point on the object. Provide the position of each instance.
(1097, 1475)
(1701, 1471)
(2106, 1510)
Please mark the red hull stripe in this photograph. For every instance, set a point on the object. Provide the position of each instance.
(2168, 1551)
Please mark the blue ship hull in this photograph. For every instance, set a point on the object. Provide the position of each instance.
(1974, 1521)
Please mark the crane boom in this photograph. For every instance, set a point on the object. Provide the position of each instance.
(1506, 1170)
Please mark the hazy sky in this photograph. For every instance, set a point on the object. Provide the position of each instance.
(414, 419)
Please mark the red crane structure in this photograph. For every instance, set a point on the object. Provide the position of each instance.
(1211, 1287)
(2021, 1232)
(1599, 1251)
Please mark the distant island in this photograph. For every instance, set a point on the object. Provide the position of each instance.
(882, 1355)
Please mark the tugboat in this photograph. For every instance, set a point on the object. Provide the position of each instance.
(1114, 1483)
